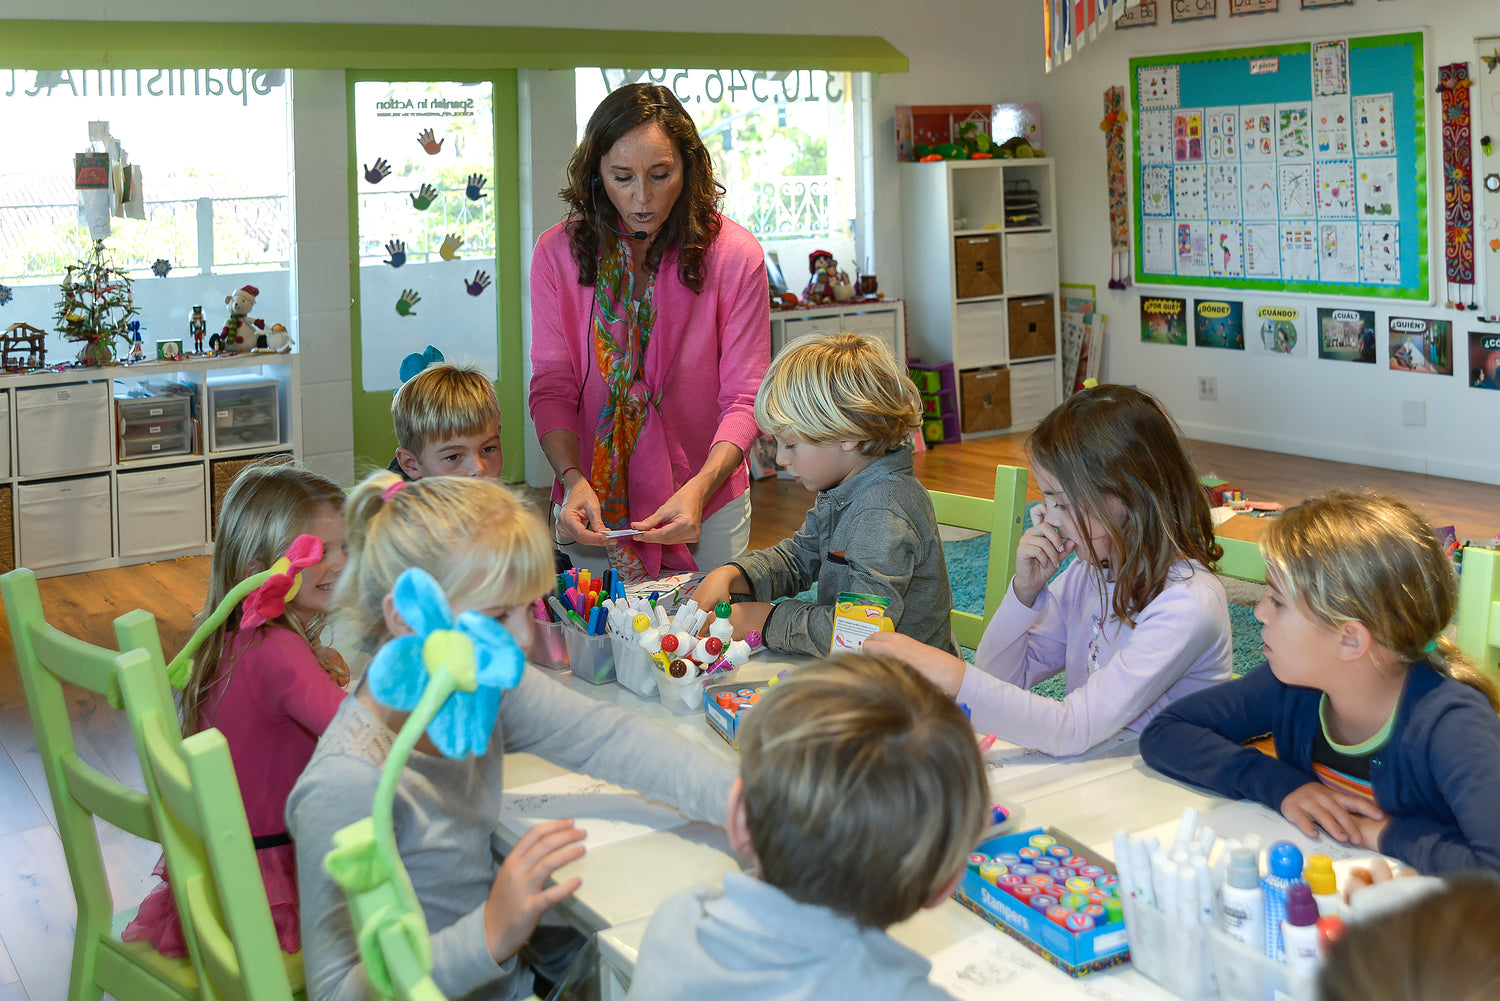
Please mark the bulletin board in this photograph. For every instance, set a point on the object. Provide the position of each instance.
(1284, 168)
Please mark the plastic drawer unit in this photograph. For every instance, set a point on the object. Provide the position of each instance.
(243, 412)
(154, 425)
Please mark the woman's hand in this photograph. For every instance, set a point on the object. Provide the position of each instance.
(1038, 555)
(678, 520)
(1341, 814)
(517, 900)
(580, 516)
(942, 669)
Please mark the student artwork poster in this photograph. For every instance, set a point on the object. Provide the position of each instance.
(1347, 335)
(1421, 344)
(1219, 323)
(1163, 320)
(1484, 360)
(1278, 329)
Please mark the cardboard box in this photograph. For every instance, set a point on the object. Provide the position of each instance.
(1075, 953)
(984, 399)
(976, 261)
(1032, 331)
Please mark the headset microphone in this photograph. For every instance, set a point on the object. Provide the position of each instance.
(639, 234)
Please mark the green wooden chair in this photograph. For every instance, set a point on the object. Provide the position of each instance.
(1478, 617)
(1002, 516)
(1242, 560)
(210, 854)
(48, 659)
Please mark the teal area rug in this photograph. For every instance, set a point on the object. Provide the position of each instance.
(968, 565)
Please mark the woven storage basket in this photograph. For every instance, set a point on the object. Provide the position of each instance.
(221, 473)
(7, 530)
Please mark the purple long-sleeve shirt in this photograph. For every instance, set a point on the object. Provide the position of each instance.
(1117, 677)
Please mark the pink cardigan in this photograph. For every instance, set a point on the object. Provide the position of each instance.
(708, 353)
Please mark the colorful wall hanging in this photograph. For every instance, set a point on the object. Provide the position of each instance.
(1113, 125)
(1458, 185)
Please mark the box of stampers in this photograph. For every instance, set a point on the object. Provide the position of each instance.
(727, 703)
(1044, 888)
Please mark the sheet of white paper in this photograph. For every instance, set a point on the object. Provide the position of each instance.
(989, 965)
(1007, 761)
(607, 812)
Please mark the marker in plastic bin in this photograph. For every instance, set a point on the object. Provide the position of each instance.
(1323, 883)
(1241, 904)
(1285, 862)
(1299, 931)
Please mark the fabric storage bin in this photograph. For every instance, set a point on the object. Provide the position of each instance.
(63, 429)
(984, 399)
(1031, 262)
(221, 473)
(979, 335)
(1033, 392)
(161, 510)
(64, 521)
(4, 434)
(1030, 327)
(976, 262)
(242, 411)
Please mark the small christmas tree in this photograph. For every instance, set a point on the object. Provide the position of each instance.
(95, 306)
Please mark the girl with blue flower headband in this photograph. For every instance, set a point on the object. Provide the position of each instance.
(429, 559)
(1386, 736)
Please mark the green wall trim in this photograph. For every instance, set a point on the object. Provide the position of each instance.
(374, 436)
(60, 45)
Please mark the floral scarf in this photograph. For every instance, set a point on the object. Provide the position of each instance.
(621, 332)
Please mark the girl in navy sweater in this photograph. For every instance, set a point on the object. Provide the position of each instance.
(1385, 735)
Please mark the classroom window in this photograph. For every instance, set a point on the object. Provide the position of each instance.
(784, 146)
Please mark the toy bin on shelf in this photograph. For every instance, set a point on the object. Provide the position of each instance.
(7, 529)
(4, 435)
(221, 474)
(63, 429)
(634, 669)
(986, 399)
(549, 645)
(161, 510)
(66, 521)
(242, 411)
(1075, 952)
(589, 657)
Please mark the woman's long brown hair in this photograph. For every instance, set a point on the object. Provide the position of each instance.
(694, 221)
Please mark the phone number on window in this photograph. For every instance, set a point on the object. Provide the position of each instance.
(720, 86)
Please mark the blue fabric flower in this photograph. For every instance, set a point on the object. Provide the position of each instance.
(398, 675)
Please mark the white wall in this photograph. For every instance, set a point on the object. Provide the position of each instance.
(1305, 406)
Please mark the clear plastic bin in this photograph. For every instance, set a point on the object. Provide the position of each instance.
(634, 668)
(683, 696)
(590, 657)
(1245, 974)
(549, 645)
(1175, 955)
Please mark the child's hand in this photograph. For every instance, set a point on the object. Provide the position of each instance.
(1341, 814)
(332, 663)
(580, 516)
(1039, 553)
(748, 615)
(718, 585)
(517, 900)
(942, 669)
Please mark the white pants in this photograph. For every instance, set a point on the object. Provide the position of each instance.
(723, 536)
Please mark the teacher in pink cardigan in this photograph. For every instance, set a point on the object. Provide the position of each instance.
(650, 332)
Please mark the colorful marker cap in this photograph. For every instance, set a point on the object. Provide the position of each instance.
(1059, 915)
(1042, 901)
(641, 622)
(722, 610)
(991, 872)
(1042, 841)
(1080, 884)
(1079, 923)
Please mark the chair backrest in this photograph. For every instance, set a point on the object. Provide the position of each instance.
(1477, 621)
(48, 659)
(1242, 559)
(210, 854)
(1002, 517)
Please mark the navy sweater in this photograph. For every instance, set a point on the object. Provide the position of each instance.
(1438, 776)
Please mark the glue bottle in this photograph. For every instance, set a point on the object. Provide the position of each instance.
(1243, 909)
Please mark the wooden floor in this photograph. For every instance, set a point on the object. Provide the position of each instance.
(36, 904)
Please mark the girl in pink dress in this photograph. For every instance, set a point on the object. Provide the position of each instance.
(270, 688)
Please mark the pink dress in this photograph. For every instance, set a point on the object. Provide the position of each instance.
(272, 707)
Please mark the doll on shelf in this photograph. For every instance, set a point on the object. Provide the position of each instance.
(825, 280)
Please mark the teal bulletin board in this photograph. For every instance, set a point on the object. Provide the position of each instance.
(1284, 168)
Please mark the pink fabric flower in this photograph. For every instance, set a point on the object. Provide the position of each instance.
(268, 601)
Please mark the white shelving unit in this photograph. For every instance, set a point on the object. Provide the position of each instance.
(998, 339)
(884, 319)
(103, 468)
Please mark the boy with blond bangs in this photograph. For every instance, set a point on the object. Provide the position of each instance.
(447, 424)
(842, 413)
(831, 754)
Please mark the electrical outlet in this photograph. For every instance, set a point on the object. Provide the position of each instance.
(1208, 388)
(1414, 413)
